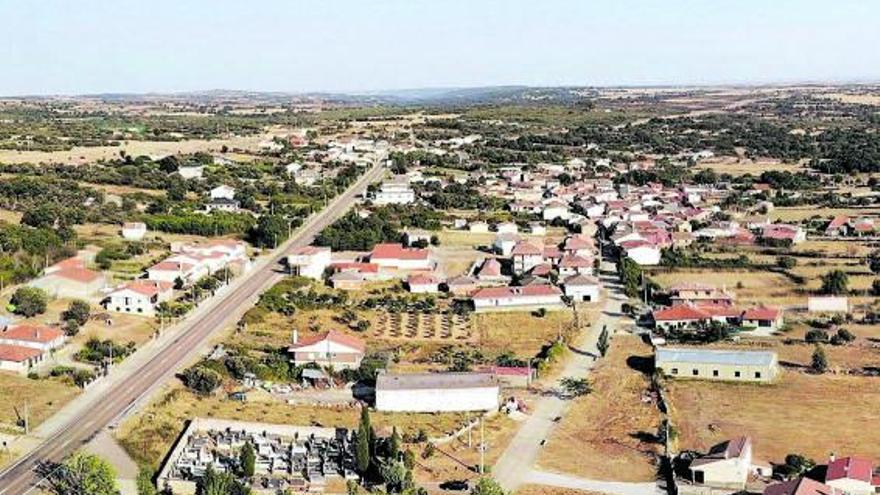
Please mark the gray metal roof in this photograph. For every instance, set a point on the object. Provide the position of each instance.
(426, 381)
(715, 356)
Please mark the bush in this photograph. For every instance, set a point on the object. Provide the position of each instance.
(29, 301)
(78, 311)
(842, 337)
(201, 380)
(816, 335)
(786, 262)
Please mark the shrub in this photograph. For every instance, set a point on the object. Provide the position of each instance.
(201, 380)
(29, 301)
(816, 335)
(78, 311)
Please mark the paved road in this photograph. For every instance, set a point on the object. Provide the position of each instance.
(515, 464)
(611, 487)
(138, 383)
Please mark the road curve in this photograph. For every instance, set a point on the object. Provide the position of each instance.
(20, 478)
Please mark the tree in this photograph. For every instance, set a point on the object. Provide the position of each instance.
(815, 336)
(835, 282)
(248, 459)
(363, 452)
(78, 311)
(394, 444)
(487, 486)
(874, 263)
(144, 482)
(603, 343)
(786, 262)
(81, 474)
(202, 380)
(819, 362)
(394, 474)
(29, 301)
(270, 231)
(575, 387)
(214, 483)
(797, 464)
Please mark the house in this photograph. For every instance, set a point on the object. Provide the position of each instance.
(726, 465)
(171, 271)
(828, 304)
(490, 271)
(507, 228)
(838, 226)
(222, 192)
(423, 283)
(347, 280)
(581, 288)
(853, 475)
(697, 293)
(309, 261)
(395, 192)
(801, 486)
(134, 231)
(334, 349)
(679, 316)
(191, 172)
(70, 279)
(222, 204)
(763, 317)
(574, 264)
(536, 228)
(716, 364)
(437, 392)
(416, 237)
(504, 244)
(139, 296)
(390, 255)
(526, 256)
(39, 337)
(642, 252)
(461, 285)
(19, 359)
(517, 298)
(783, 233)
(555, 209)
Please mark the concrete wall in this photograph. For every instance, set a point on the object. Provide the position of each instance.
(437, 400)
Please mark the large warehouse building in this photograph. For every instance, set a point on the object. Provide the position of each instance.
(717, 364)
(437, 392)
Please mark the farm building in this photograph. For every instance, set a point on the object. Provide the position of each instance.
(18, 359)
(581, 288)
(726, 465)
(517, 298)
(437, 392)
(398, 257)
(70, 279)
(716, 364)
(763, 317)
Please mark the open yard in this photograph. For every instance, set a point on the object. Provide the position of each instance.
(742, 166)
(750, 287)
(613, 426)
(808, 414)
(521, 332)
(43, 398)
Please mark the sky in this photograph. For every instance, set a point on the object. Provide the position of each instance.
(122, 46)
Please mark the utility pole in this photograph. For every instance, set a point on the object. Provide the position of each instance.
(470, 429)
(482, 447)
(27, 419)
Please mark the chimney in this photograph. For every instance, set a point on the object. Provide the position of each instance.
(831, 457)
(295, 336)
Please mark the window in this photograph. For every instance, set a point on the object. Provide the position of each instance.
(757, 374)
(714, 372)
(695, 372)
(674, 371)
(736, 374)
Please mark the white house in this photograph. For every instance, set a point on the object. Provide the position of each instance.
(223, 192)
(517, 298)
(555, 209)
(726, 465)
(19, 359)
(526, 256)
(398, 257)
(395, 192)
(139, 297)
(191, 172)
(223, 204)
(310, 261)
(478, 227)
(437, 392)
(335, 349)
(507, 228)
(581, 288)
(169, 271)
(504, 243)
(643, 253)
(134, 231)
(423, 283)
(38, 337)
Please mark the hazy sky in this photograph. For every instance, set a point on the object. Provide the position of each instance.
(88, 46)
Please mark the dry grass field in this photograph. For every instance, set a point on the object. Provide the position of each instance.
(750, 287)
(808, 414)
(742, 166)
(44, 398)
(610, 423)
(520, 332)
(798, 213)
(149, 435)
(90, 154)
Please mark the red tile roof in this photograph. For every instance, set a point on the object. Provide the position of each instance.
(17, 353)
(397, 252)
(491, 268)
(422, 279)
(525, 248)
(333, 336)
(682, 312)
(762, 313)
(355, 266)
(147, 287)
(76, 274)
(855, 468)
(801, 486)
(31, 333)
